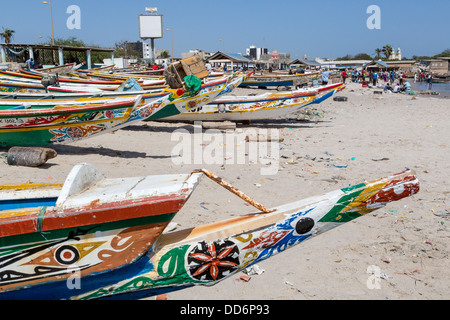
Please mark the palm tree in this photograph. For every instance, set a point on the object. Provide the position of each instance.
(7, 35)
(378, 51)
(387, 50)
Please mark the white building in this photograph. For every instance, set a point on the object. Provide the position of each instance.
(396, 56)
(255, 53)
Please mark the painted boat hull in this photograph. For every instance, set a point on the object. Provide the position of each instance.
(96, 225)
(327, 91)
(25, 127)
(274, 80)
(211, 253)
(31, 127)
(205, 95)
(266, 106)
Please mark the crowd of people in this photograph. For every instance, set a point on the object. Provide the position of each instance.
(393, 81)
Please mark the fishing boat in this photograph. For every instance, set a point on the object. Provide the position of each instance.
(65, 124)
(62, 69)
(239, 108)
(28, 86)
(203, 255)
(277, 80)
(90, 225)
(55, 94)
(327, 91)
(180, 110)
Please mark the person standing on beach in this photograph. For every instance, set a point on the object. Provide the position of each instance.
(344, 76)
(375, 78)
(430, 82)
(325, 77)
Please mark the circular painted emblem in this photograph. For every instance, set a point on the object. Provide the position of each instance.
(67, 255)
(109, 114)
(144, 112)
(212, 261)
(74, 132)
(304, 225)
(191, 104)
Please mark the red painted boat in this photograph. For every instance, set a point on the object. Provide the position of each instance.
(90, 225)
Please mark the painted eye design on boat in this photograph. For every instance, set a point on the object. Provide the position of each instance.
(304, 225)
(67, 255)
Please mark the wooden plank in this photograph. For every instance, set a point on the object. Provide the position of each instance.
(195, 65)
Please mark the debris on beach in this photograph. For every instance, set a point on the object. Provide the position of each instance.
(29, 156)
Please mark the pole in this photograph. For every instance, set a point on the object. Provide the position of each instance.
(152, 50)
(171, 35)
(51, 17)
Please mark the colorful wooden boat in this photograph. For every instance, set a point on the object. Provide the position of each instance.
(238, 108)
(36, 87)
(277, 80)
(36, 77)
(233, 83)
(327, 91)
(147, 95)
(90, 225)
(202, 255)
(63, 124)
(46, 126)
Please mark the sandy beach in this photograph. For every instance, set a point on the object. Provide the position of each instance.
(327, 147)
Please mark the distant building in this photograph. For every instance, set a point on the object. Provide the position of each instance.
(404, 65)
(146, 50)
(305, 64)
(203, 54)
(343, 64)
(276, 59)
(231, 60)
(255, 53)
(440, 65)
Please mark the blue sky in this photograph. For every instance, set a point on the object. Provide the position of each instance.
(325, 28)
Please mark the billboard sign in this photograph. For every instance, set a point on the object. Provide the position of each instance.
(150, 26)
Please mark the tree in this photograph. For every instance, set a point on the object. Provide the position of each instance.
(362, 56)
(127, 49)
(378, 51)
(7, 35)
(164, 54)
(387, 50)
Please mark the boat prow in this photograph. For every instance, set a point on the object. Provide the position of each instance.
(210, 253)
(93, 226)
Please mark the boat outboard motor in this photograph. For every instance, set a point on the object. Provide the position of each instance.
(49, 80)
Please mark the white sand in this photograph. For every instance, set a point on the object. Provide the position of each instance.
(405, 240)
